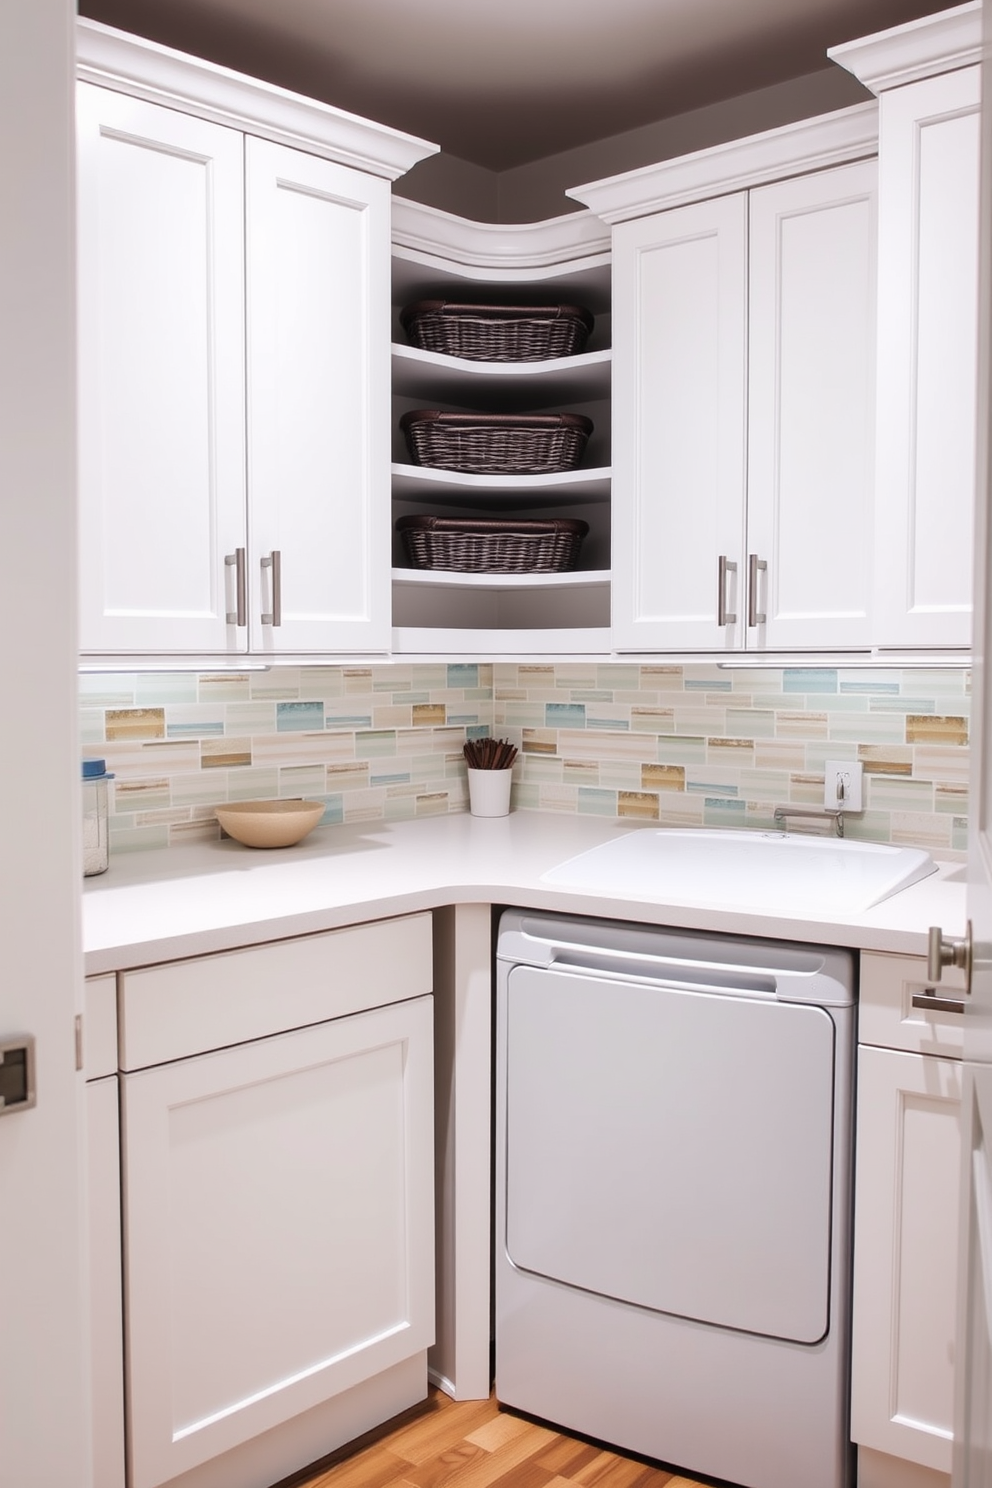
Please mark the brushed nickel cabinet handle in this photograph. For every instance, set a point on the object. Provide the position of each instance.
(724, 568)
(941, 953)
(236, 560)
(931, 1003)
(755, 565)
(274, 561)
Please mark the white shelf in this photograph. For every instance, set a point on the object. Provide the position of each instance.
(440, 578)
(500, 386)
(420, 483)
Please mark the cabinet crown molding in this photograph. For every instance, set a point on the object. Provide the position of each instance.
(812, 144)
(906, 54)
(574, 237)
(159, 74)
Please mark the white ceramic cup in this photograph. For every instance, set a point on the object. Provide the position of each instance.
(489, 792)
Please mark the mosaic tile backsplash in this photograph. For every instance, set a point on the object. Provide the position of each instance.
(695, 745)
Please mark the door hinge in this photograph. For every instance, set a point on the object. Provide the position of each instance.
(79, 1041)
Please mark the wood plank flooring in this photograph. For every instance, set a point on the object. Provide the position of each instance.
(476, 1444)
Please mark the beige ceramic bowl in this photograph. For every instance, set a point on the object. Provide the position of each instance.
(269, 823)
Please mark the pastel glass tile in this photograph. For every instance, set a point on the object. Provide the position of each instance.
(581, 772)
(400, 808)
(779, 754)
(720, 813)
(708, 787)
(321, 682)
(298, 717)
(658, 777)
(952, 799)
(277, 683)
(902, 704)
(936, 762)
(593, 802)
(193, 722)
(203, 789)
(801, 725)
(751, 722)
(652, 720)
(224, 687)
(225, 754)
(250, 718)
(107, 690)
(642, 805)
(462, 674)
(342, 717)
(371, 745)
(253, 785)
(617, 677)
(959, 834)
(885, 759)
(868, 728)
(137, 839)
(141, 795)
(620, 774)
(564, 715)
(303, 780)
(936, 729)
(429, 715)
(687, 750)
(135, 723)
(91, 726)
(809, 679)
(165, 688)
(890, 793)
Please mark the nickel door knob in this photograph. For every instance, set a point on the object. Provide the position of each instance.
(943, 952)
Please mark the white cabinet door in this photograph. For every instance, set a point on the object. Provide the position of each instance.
(279, 1224)
(905, 1254)
(103, 1195)
(161, 375)
(744, 332)
(811, 409)
(679, 400)
(928, 317)
(318, 403)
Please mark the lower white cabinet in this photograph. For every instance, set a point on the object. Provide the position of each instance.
(278, 1192)
(906, 1227)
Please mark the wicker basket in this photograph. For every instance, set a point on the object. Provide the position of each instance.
(492, 545)
(496, 443)
(497, 333)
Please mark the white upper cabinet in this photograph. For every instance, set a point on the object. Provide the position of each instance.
(744, 333)
(318, 403)
(928, 316)
(234, 361)
(680, 374)
(811, 383)
(161, 384)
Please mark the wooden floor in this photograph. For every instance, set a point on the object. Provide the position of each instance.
(476, 1444)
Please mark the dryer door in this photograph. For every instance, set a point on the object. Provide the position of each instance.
(672, 1148)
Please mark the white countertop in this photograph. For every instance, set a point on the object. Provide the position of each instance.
(186, 901)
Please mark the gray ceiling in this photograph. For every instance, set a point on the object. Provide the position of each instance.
(512, 81)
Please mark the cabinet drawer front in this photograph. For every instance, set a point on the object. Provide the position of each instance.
(887, 1016)
(279, 1223)
(189, 1007)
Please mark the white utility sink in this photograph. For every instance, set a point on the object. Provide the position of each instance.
(746, 870)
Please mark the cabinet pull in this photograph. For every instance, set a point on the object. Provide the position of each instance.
(274, 561)
(931, 1003)
(755, 565)
(724, 568)
(236, 560)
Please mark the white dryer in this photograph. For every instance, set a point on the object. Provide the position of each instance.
(673, 1206)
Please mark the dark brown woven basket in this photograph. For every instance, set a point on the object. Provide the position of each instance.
(496, 443)
(492, 545)
(497, 333)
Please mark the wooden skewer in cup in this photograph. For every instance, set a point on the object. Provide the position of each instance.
(489, 775)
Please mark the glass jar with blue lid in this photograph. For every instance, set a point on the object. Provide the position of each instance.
(96, 842)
